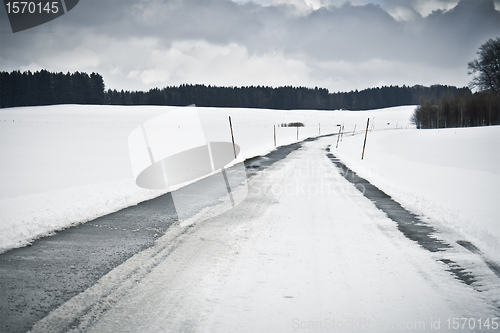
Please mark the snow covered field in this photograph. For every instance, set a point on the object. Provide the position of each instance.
(67, 164)
(304, 252)
(293, 257)
(450, 176)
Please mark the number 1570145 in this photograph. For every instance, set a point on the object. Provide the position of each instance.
(472, 323)
(30, 7)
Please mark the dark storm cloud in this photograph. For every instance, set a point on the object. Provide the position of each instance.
(346, 33)
(217, 21)
(351, 32)
(357, 32)
(460, 29)
(365, 32)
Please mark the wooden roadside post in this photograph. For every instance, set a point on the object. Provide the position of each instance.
(366, 134)
(228, 186)
(274, 135)
(232, 136)
(338, 137)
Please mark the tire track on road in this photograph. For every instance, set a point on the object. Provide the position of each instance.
(416, 229)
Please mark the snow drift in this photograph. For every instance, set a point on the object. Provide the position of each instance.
(67, 164)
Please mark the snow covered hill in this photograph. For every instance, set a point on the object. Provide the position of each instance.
(64, 165)
(450, 176)
(304, 252)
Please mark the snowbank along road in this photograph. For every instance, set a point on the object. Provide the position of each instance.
(305, 252)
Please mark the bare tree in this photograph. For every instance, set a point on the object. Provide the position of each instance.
(486, 69)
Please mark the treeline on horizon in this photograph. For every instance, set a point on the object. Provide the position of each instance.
(464, 110)
(46, 88)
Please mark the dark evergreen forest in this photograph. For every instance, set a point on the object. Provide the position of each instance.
(46, 88)
(464, 110)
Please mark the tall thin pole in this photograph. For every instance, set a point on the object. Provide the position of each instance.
(338, 137)
(319, 128)
(366, 134)
(274, 135)
(232, 136)
(297, 132)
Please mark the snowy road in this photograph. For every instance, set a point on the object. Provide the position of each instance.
(305, 252)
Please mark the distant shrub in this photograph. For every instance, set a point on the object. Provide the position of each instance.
(294, 124)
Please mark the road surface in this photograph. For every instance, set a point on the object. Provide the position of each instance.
(36, 279)
(304, 252)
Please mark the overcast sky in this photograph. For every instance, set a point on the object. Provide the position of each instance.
(339, 45)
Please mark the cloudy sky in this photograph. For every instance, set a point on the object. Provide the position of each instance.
(336, 44)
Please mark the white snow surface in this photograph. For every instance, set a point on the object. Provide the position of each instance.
(305, 252)
(67, 164)
(450, 176)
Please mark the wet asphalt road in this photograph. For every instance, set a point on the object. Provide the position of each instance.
(36, 279)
